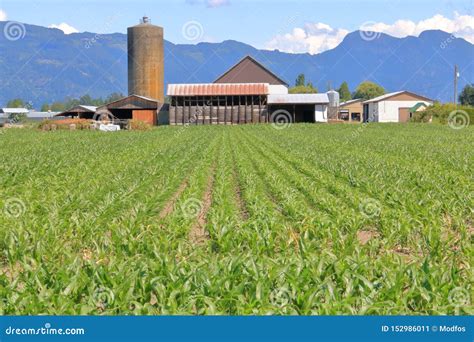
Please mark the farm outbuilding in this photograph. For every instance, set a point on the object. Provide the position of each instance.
(393, 107)
(301, 107)
(247, 93)
(351, 110)
(135, 107)
(218, 103)
(80, 112)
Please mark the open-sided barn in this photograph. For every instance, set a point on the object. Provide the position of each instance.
(247, 93)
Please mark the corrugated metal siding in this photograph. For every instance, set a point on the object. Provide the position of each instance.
(297, 98)
(214, 89)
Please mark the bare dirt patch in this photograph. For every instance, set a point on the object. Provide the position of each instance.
(169, 207)
(198, 233)
(243, 212)
(364, 236)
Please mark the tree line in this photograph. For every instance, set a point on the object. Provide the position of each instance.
(367, 90)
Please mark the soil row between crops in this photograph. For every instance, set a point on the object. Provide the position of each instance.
(198, 233)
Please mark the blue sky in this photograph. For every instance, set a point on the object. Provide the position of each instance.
(293, 26)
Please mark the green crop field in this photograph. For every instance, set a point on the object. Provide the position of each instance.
(311, 219)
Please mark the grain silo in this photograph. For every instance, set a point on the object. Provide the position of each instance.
(146, 60)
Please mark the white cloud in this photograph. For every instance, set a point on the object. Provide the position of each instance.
(460, 26)
(319, 37)
(217, 3)
(209, 3)
(66, 28)
(3, 15)
(313, 38)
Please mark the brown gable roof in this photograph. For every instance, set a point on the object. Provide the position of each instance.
(397, 95)
(249, 70)
(133, 102)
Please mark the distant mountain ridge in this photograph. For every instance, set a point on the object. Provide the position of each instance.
(47, 65)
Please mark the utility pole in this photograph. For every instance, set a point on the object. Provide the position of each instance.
(456, 76)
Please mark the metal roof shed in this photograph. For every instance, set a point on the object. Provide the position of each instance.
(298, 99)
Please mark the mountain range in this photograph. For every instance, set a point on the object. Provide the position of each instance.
(45, 65)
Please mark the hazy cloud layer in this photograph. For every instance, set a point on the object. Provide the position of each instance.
(66, 28)
(3, 15)
(209, 3)
(319, 37)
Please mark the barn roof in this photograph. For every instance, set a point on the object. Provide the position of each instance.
(14, 110)
(345, 103)
(78, 109)
(217, 89)
(390, 95)
(298, 98)
(133, 102)
(249, 70)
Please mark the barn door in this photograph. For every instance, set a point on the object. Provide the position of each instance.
(403, 114)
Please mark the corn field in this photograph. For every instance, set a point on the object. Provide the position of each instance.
(239, 220)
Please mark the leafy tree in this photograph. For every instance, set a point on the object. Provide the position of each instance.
(86, 100)
(344, 93)
(17, 117)
(114, 97)
(300, 80)
(58, 107)
(368, 90)
(466, 98)
(16, 103)
(303, 89)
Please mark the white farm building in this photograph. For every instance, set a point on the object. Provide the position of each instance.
(392, 107)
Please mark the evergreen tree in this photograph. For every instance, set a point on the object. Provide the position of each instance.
(300, 80)
(466, 98)
(344, 93)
